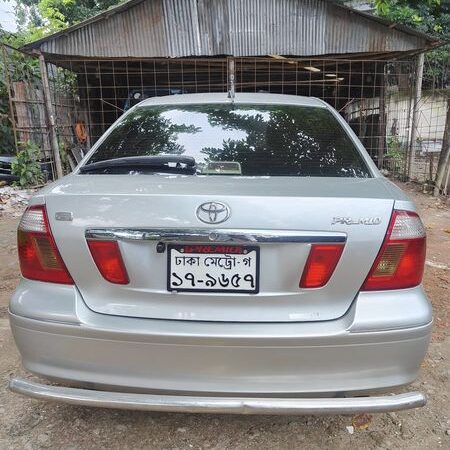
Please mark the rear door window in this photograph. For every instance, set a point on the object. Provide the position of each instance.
(239, 139)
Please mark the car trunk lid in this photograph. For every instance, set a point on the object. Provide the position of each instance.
(308, 210)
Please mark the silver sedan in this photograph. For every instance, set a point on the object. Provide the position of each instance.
(215, 254)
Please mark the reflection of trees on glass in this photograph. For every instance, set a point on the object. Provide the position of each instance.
(145, 133)
(286, 140)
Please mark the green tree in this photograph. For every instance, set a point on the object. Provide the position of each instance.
(37, 18)
(428, 16)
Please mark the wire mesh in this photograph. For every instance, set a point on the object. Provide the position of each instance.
(374, 96)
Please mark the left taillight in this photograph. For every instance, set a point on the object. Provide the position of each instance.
(38, 254)
(109, 262)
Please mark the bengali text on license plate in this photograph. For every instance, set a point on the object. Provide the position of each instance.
(219, 268)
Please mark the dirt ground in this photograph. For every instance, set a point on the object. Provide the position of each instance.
(30, 424)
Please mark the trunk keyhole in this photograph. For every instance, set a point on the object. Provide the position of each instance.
(160, 247)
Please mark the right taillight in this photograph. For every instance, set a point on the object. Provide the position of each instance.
(320, 265)
(401, 259)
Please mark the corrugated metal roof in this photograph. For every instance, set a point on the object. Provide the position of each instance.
(181, 28)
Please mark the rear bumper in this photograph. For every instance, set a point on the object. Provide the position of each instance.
(224, 365)
(235, 367)
(232, 405)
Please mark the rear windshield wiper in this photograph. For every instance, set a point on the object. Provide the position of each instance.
(165, 163)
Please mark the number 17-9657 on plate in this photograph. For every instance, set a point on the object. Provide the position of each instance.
(213, 268)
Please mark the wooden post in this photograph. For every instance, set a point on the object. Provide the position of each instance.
(382, 122)
(10, 95)
(50, 117)
(415, 113)
(447, 178)
(444, 155)
(231, 78)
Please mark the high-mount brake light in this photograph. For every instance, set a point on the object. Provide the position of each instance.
(320, 265)
(401, 259)
(108, 259)
(38, 254)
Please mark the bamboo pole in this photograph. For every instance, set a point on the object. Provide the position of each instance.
(231, 78)
(415, 113)
(445, 188)
(50, 117)
(444, 155)
(382, 122)
(10, 97)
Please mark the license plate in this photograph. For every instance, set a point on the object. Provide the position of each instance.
(213, 268)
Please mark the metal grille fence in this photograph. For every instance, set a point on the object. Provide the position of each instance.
(29, 117)
(375, 98)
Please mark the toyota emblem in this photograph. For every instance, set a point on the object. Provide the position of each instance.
(213, 212)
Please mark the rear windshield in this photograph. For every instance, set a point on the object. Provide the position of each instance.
(243, 139)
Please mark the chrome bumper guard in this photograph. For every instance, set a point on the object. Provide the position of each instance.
(231, 405)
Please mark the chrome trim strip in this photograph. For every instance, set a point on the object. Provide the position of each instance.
(231, 405)
(214, 235)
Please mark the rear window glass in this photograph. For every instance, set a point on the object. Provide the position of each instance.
(247, 140)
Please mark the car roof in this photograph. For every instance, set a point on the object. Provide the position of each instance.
(240, 98)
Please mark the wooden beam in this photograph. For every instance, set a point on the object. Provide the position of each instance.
(50, 117)
(415, 113)
(10, 96)
(443, 164)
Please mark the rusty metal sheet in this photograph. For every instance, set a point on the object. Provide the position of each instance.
(182, 28)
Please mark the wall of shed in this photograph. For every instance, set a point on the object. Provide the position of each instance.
(182, 28)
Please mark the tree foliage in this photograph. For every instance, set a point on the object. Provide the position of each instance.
(431, 17)
(37, 18)
(428, 16)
